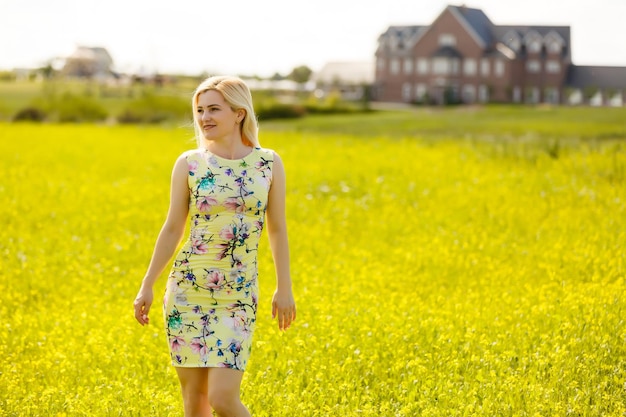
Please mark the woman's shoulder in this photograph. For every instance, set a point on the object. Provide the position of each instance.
(188, 159)
(190, 154)
(267, 153)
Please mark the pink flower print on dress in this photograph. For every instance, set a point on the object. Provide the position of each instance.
(224, 249)
(198, 247)
(237, 321)
(193, 167)
(176, 343)
(198, 346)
(227, 232)
(204, 203)
(234, 204)
(215, 280)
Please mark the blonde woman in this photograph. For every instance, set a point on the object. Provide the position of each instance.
(228, 188)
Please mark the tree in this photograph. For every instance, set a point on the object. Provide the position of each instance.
(277, 77)
(47, 71)
(300, 74)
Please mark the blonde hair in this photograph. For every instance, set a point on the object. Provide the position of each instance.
(237, 94)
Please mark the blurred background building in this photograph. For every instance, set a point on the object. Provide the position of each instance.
(462, 57)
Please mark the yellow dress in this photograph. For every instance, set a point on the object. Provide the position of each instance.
(210, 301)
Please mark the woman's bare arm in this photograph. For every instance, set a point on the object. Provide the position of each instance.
(283, 303)
(169, 237)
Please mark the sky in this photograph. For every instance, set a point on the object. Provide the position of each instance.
(264, 37)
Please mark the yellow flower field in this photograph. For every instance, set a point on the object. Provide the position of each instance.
(434, 276)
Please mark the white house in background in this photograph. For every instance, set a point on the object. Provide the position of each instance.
(278, 85)
(349, 78)
(89, 62)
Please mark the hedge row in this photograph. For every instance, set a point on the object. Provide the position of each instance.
(151, 109)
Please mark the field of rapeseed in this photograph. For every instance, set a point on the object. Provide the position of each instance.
(439, 269)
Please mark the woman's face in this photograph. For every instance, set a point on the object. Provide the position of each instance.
(215, 117)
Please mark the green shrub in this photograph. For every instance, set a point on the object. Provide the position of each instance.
(79, 108)
(70, 107)
(267, 111)
(151, 108)
(29, 114)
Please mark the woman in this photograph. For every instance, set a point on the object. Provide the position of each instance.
(228, 188)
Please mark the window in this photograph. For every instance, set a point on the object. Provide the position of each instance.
(532, 65)
(422, 66)
(469, 66)
(447, 39)
(406, 92)
(514, 43)
(534, 46)
(420, 92)
(554, 42)
(512, 40)
(380, 62)
(441, 66)
(554, 47)
(517, 94)
(408, 65)
(534, 42)
(483, 93)
(498, 68)
(469, 93)
(553, 67)
(532, 95)
(395, 66)
(454, 62)
(484, 67)
(551, 95)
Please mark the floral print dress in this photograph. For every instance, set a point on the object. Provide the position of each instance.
(210, 301)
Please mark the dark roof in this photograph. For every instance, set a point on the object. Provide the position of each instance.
(408, 31)
(501, 30)
(597, 77)
(447, 52)
(478, 21)
(403, 37)
(479, 24)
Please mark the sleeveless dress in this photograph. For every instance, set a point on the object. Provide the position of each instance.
(210, 301)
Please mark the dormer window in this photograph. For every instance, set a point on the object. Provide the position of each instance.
(513, 41)
(554, 47)
(534, 42)
(554, 43)
(534, 46)
(447, 39)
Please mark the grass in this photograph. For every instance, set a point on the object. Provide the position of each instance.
(439, 268)
(497, 123)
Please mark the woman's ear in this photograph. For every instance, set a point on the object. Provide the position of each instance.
(241, 114)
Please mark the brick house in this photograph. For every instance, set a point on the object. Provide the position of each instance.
(462, 57)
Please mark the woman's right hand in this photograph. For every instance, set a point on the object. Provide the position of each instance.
(142, 304)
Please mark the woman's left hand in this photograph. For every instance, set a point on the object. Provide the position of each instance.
(283, 308)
